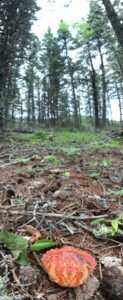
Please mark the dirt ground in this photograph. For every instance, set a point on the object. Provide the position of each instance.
(60, 197)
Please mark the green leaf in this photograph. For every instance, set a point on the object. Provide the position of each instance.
(70, 150)
(114, 224)
(17, 245)
(66, 174)
(119, 193)
(21, 160)
(97, 221)
(94, 175)
(43, 244)
(105, 163)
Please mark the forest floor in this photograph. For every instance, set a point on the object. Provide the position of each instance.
(59, 183)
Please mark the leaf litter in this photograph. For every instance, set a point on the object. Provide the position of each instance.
(59, 200)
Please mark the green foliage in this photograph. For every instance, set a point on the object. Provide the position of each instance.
(70, 150)
(37, 136)
(31, 144)
(105, 163)
(53, 159)
(21, 160)
(65, 137)
(118, 193)
(97, 221)
(19, 171)
(43, 244)
(51, 176)
(113, 143)
(84, 31)
(94, 175)
(66, 174)
(31, 171)
(63, 26)
(109, 227)
(17, 245)
(50, 158)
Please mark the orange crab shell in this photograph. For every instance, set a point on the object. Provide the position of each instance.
(68, 266)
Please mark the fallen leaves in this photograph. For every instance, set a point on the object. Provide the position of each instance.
(33, 231)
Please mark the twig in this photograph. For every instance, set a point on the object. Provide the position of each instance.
(53, 215)
(38, 261)
(115, 246)
(16, 162)
(83, 226)
(100, 271)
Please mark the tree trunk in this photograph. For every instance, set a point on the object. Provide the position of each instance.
(103, 86)
(94, 91)
(1, 119)
(115, 21)
(89, 103)
(119, 99)
(75, 106)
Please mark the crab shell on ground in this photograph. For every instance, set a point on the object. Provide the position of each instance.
(68, 266)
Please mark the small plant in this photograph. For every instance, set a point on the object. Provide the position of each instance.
(66, 174)
(94, 175)
(19, 171)
(19, 246)
(113, 143)
(78, 137)
(53, 159)
(21, 160)
(30, 144)
(70, 150)
(31, 137)
(31, 171)
(51, 176)
(105, 163)
(78, 170)
(108, 227)
(118, 193)
(49, 158)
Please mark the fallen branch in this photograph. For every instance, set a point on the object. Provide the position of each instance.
(53, 215)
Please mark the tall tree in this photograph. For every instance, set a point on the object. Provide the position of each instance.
(84, 40)
(52, 67)
(15, 23)
(67, 43)
(99, 38)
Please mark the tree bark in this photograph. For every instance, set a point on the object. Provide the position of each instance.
(103, 86)
(119, 99)
(115, 21)
(94, 91)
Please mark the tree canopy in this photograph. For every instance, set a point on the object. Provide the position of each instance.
(60, 79)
